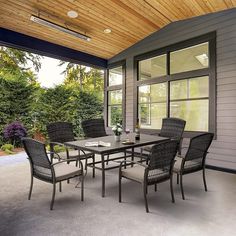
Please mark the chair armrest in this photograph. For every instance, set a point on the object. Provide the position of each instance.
(56, 143)
(175, 138)
(58, 156)
(193, 149)
(72, 159)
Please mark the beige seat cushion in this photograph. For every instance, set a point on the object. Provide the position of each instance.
(188, 166)
(137, 173)
(72, 154)
(64, 171)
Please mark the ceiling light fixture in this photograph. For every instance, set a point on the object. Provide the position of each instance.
(72, 14)
(107, 31)
(52, 25)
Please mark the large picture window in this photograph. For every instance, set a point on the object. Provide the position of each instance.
(178, 81)
(114, 107)
(152, 105)
(189, 100)
(190, 58)
(115, 94)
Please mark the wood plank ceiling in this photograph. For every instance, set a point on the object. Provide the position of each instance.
(129, 20)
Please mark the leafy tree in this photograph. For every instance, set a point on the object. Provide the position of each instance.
(20, 63)
(83, 78)
(87, 106)
(74, 73)
(17, 85)
(23, 100)
(51, 105)
(15, 101)
(65, 104)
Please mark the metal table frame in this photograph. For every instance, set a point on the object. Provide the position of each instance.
(116, 147)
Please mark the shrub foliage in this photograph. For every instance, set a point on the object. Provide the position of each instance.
(25, 107)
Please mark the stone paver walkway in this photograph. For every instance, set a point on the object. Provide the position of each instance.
(13, 159)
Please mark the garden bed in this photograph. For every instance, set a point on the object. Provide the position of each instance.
(15, 150)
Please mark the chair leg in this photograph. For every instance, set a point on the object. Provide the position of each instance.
(31, 187)
(53, 196)
(204, 178)
(181, 186)
(120, 188)
(145, 197)
(94, 164)
(177, 178)
(141, 153)
(60, 186)
(82, 188)
(171, 188)
(107, 159)
(68, 181)
(125, 158)
(155, 188)
(86, 163)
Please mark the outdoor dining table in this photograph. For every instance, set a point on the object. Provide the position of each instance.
(115, 147)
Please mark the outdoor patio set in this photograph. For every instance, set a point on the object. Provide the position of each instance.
(151, 160)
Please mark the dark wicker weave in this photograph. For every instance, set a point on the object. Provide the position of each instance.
(158, 170)
(171, 128)
(94, 128)
(43, 169)
(194, 159)
(61, 132)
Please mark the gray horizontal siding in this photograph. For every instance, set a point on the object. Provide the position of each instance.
(223, 149)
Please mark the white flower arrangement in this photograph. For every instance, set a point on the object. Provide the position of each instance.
(117, 129)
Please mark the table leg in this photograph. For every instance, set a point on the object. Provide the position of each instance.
(125, 158)
(132, 157)
(103, 175)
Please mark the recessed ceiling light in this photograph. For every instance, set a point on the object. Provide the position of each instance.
(203, 59)
(72, 14)
(107, 31)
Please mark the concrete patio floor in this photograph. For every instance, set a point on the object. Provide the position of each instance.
(202, 213)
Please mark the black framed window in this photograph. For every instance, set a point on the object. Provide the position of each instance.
(152, 105)
(115, 94)
(178, 81)
(189, 100)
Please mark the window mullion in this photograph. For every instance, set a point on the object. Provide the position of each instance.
(168, 85)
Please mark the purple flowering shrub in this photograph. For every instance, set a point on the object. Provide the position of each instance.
(14, 132)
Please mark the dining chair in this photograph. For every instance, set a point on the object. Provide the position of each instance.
(43, 169)
(94, 128)
(172, 128)
(194, 159)
(61, 132)
(158, 170)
